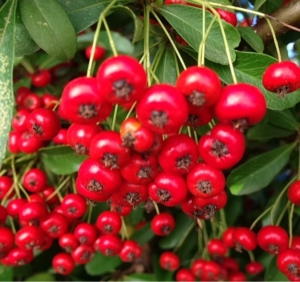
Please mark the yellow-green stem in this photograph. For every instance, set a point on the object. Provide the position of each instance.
(115, 117)
(12, 225)
(260, 217)
(291, 225)
(90, 213)
(274, 39)
(286, 207)
(124, 229)
(146, 42)
(156, 207)
(251, 256)
(183, 238)
(110, 38)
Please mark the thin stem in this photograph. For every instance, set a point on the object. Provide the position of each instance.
(131, 110)
(170, 39)
(146, 42)
(288, 203)
(183, 238)
(124, 228)
(15, 177)
(280, 196)
(150, 71)
(12, 225)
(96, 36)
(24, 191)
(195, 135)
(3, 172)
(251, 256)
(90, 213)
(58, 189)
(202, 45)
(275, 39)
(291, 224)
(156, 207)
(115, 117)
(189, 131)
(110, 38)
(27, 66)
(223, 218)
(260, 217)
(213, 227)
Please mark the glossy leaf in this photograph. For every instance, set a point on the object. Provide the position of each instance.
(166, 70)
(50, 27)
(259, 171)
(41, 277)
(252, 38)
(187, 21)
(249, 67)
(182, 224)
(136, 215)
(61, 160)
(266, 131)
(24, 45)
(283, 119)
(101, 264)
(85, 13)
(143, 235)
(6, 273)
(7, 41)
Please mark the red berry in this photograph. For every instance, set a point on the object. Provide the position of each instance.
(32, 101)
(61, 137)
(73, 206)
(35, 180)
(29, 143)
(99, 52)
(63, 263)
(3, 214)
(43, 123)
(41, 78)
(273, 239)
(227, 16)
(109, 222)
(244, 239)
(32, 213)
(197, 267)
(85, 233)
(178, 155)
(199, 116)
(230, 264)
(106, 148)
(237, 276)
(122, 79)
(293, 193)
(167, 189)
(254, 267)
(14, 206)
(68, 242)
(83, 254)
(288, 262)
(162, 109)
(282, 78)
(13, 139)
(109, 245)
(121, 210)
(55, 225)
(185, 274)
(130, 251)
(296, 243)
(6, 184)
(211, 271)
(18, 256)
(169, 261)
(216, 248)
(200, 85)
(241, 105)
(162, 224)
(19, 120)
(223, 147)
(228, 238)
(49, 101)
(30, 237)
(205, 181)
(7, 239)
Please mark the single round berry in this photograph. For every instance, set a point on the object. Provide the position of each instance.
(293, 193)
(35, 180)
(109, 222)
(288, 262)
(63, 263)
(185, 274)
(169, 261)
(130, 251)
(216, 248)
(227, 16)
(99, 52)
(83, 254)
(162, 224)
(7, 239)
(6, 184)
(244, 239)
(41, 78)
(85, 233)
(18, 256)
(282, 78)
(30, 237)
(68, 242)
(254, 267)
(73, 206)
(55, 225)
(109, 245)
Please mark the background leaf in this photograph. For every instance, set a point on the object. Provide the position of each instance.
(187, 21)
(101, 264)
(61, 160)
(143, 235)
(259, 171)
(41, 277)
(166, 70)
(283, 119)
(7, 41)
(252, 38)
(6, 273)
(50, 27)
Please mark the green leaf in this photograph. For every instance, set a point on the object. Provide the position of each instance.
(272, 273)
(50, 27)
(187, 21)
(252, 38)
(6, 273)
(24, 45)
(7, 42)
(139, 277)
(61, 160)
(259, 171)
(182, 224)
(233, 208)
(138, 23)
(101, 264)
(143, 235)
(283, 119)
(249, 67)
(85, 13)
(266, 131)
(136, 215)
(166, 70)
(41, 277)
(267, 6)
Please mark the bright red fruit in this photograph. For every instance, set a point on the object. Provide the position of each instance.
(293, 193)
(41, 78)
(205, 181)
(35, 180)
(122, 79)
(6, 184)
(237, 276)
(200, 85)
(99, 52)
(18, 256)
(169, 261)
(162, 224)
(74, 206)
(216, 248)
(179, 154)
(55, 225)
(241, 105)
(288, 262)
(185, 274)
(197, 267)
(130, 251)
(30, 237)
(282, 77)
(85, 233)
(222, 147)
(109, 222)
(63, 263)
(68, 242)
(254, 267)
(167, 189)
(29, 143)
(228, 238)
(7, 239)
(109, 245)
(162, 109)
(227, 16)
(19, 120)
(244, 239)
(273, 239)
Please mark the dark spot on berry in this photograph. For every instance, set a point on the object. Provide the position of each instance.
(184, 162)
(166, 229)
(83, 239)
(122, 89)
(128, 140)
(130, 256)
(108, 228)
(240, 124)
(54, 229)
(88, 111)
(282, 91)
(145, 172)
(159, 118)
(38, 130)
(273, 248)
(133, 198)
(81, 150)
(205, 187)
(219, 149)
(94, 186)
(110, 160)
(192, 119)
(60, 269)
(164, 195)
(72, 210)
(196, 98)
